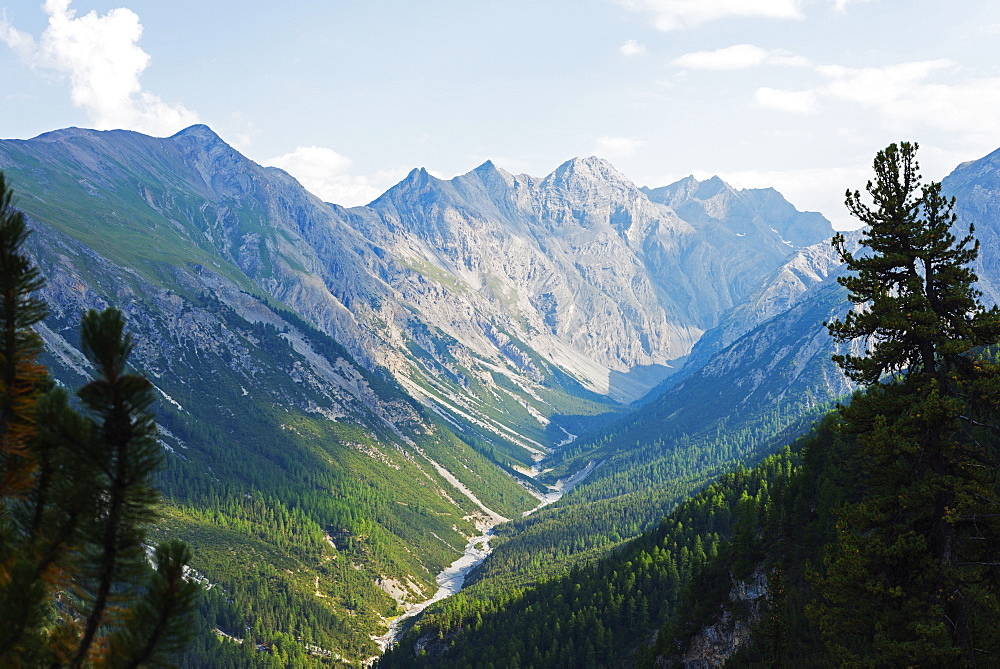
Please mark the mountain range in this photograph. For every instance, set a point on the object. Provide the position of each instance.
(350, 394)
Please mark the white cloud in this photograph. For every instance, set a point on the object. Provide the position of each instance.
(242, 131)
(737, 57)
(326, 173)
(103, 61)
(906, 97)
(797, 102)
(670, 15)
(632, 48)
(841, 5)
(618, 146)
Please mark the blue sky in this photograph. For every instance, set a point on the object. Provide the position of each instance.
(350, 95)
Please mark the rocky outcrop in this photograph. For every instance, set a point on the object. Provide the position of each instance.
(714, 644)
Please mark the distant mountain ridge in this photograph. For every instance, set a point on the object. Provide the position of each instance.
(590, 272)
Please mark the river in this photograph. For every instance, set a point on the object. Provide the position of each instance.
(449, 582)
(452, 579)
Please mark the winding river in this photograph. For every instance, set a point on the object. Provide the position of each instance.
(452, 579)
(449, 582)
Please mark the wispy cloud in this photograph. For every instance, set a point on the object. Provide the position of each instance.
(632, 48)
(841, 5)
(906, 96)
(670, 15)
(797, 102)
(616, 147)
(327, 174)
(101, 57)
(737, 57)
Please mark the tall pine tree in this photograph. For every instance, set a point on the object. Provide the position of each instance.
(77, 495)
(915, 572)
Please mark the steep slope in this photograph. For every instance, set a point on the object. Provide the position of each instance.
(292, 469)
(750, 399)
(728, 570)
(796, 280)
(659, 588)
(192, 198)
(976, 187)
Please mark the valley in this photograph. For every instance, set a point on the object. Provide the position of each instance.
(467, 389)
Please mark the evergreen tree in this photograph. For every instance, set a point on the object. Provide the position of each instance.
(19, 346)
(76, 497)
(912, 573)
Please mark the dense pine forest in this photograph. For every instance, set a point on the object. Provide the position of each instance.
(769, 531)
(650, 595)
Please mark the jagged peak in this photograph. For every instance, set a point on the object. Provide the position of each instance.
(418, 177)
(711, 187)
(588, 164)
(688, 188)
(591, 169)
(490, 172)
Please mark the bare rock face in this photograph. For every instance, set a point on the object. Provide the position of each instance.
(714, 644)
(798, 279)
(589, 271)
(976, 187)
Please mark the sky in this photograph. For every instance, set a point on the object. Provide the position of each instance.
(349, 95)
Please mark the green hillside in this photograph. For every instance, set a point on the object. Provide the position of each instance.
(296, 494)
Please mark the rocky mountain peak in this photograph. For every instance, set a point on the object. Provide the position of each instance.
(492, 176)
(762, 213)
(590, 191)
(588, 172)
(690, 189)
(201, 132)
(415, 182)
